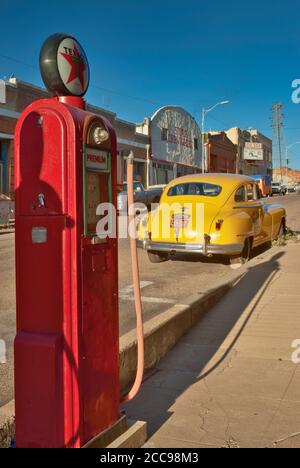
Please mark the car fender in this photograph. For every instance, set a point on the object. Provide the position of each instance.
(278, 213)
(236, 226)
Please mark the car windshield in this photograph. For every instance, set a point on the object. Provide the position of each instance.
(275, 184)
(136, 186)
(201, 189)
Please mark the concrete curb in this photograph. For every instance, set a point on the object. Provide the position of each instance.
(165, 330)
(6, 231)
(161, 335)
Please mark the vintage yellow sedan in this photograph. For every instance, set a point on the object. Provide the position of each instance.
(210, 214)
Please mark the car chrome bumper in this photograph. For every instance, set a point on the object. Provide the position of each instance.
(204, 249)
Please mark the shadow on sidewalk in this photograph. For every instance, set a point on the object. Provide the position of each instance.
(162, 389)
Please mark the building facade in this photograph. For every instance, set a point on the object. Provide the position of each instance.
(221, 153)
(16, 95)
(254, 151)
(175, 144)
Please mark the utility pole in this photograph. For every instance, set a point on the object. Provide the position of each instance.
(277, 124)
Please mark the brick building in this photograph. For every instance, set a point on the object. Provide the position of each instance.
(16, 95)
(221, 153)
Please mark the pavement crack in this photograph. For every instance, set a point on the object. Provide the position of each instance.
(280, 441)
(275, 413)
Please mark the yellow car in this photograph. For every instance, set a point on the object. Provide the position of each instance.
(210, 214)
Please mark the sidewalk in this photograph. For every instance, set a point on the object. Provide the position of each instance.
(231, 381)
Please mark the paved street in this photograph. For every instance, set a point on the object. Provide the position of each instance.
(162, 286)
(292, 204)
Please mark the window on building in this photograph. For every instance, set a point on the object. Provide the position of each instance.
(162, 174)
(196, 146)
(164, 134)
(240, 195)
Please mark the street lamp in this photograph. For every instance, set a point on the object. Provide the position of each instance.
(287, 157)
(204, 112)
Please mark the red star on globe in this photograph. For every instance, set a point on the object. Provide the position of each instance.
(78, 66)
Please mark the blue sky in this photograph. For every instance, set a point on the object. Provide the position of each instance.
(146, 54)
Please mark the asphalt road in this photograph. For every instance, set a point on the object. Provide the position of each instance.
(162, 285)
(292, 204)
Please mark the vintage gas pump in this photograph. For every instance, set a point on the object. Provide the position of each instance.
(66, 347)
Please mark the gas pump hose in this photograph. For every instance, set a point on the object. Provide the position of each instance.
(136, 284)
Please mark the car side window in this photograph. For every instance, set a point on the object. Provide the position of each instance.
(240, 195)
(258, 195)
(250, 192)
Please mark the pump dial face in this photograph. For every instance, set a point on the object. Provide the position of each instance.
(64, 66)
(100, 135)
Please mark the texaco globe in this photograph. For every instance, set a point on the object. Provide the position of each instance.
(64, 66)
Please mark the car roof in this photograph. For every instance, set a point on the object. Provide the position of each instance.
(228, 182)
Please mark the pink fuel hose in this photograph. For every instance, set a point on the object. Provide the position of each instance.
(136, 285)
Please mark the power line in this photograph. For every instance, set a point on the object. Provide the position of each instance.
(20, 62)
(118, 93)
(95, 86)
(219, 121)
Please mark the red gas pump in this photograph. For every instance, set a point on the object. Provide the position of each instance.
(66, 348)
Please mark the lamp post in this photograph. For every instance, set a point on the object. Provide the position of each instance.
(287, 157)
(204, 112)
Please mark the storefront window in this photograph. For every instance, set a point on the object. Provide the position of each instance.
(162, 173)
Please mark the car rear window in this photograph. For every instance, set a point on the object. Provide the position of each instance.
(195, 188)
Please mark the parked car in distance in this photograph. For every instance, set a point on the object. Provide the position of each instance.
(6, 209)
(265, 184)
(236, 219)
(278, 188)
(141, 195)
(291, 189)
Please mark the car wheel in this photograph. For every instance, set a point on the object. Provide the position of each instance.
(157, 257)
(244, 256)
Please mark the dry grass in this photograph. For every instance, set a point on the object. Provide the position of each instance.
(7, 432)
(289, 236)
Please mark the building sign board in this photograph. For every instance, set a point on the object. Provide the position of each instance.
(253, 152)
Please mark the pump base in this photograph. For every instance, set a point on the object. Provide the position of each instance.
(123, 434)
